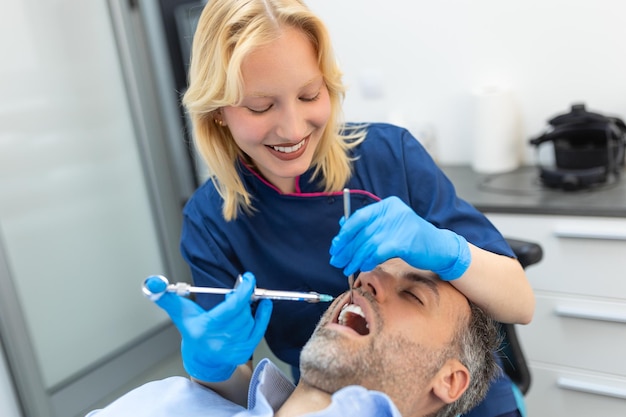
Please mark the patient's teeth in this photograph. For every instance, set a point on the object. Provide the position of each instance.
(352, 316)
(349, 308)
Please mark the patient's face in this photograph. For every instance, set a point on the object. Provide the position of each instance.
(393, 339)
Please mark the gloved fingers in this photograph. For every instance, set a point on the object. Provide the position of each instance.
(156, 285)
(253, 328)
(344, 245)
(246, 332)
(238, 347)
(374, 255)
(179, 308)
(346, 258)
(370, 254)
(350, 228)
(237, 302)
(234, 344)
(261, 320)
(361, 248)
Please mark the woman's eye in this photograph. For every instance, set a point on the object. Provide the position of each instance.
(310, 98)
(259, 111)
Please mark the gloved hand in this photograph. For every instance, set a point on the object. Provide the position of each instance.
(214, 342)
(389, 229)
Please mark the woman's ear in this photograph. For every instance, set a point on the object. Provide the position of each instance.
(451, 381)
(218, 118)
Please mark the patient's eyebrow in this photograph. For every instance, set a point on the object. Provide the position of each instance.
(426, 281)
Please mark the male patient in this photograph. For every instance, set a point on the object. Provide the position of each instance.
(411, 345)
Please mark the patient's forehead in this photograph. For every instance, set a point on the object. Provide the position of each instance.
(399, 269)
(397, 266)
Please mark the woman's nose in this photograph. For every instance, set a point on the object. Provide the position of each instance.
(291, 124)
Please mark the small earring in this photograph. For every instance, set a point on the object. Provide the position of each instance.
(218, 122)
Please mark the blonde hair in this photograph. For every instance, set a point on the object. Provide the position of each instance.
(228, 30)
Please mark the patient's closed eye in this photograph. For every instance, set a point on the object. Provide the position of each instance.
(411, 294)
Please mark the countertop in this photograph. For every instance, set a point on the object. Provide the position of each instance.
(520, 191)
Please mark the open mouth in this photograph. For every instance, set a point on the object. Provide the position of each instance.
(289, 153)
(289, 149)
(352, 316)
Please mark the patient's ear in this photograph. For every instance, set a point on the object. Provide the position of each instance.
(451, 381)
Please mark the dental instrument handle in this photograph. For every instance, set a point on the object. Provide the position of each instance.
(184, 289)
(346, 214)
(309, 297)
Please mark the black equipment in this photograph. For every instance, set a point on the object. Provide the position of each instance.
(588, 149)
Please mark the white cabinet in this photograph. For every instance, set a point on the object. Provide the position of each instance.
(576, 343)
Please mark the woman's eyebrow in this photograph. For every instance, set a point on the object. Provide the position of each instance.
(266, 94)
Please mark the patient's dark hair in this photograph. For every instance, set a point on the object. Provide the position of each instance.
(476, 344)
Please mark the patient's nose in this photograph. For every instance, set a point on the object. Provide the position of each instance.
(376, 283)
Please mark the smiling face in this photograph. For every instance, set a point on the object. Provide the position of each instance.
(284, 110)
(395, 338)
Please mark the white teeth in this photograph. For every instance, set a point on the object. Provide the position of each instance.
(289, 149)
(349, 308)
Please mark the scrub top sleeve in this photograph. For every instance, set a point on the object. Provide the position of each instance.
(210, 266)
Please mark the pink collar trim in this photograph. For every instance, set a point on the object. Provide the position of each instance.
(299, 193)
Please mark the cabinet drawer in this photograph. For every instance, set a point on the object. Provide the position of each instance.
(581, 333)
(566, 392)
(582, 255)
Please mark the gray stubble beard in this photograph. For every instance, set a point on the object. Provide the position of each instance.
(394, 365)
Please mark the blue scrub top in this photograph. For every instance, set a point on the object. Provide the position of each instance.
(285, 242)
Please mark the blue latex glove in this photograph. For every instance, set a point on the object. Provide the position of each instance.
(391, 229)
(214, 342)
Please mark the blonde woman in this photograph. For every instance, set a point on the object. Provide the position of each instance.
(265, 98)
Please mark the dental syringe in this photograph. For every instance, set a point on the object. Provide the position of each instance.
(184, 289)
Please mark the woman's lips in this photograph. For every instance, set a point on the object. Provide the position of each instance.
(288, 153)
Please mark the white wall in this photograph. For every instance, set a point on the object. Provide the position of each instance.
(424, 59)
